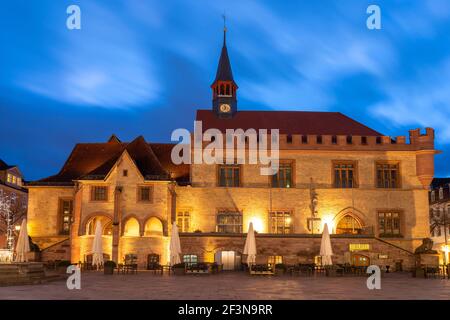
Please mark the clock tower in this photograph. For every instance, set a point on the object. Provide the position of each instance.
(224, 88)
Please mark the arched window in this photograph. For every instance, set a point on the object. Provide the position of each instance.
(105, 222)
(227, 90)
(153, 226)
(222, 89)
(131, 228)
(348, 225)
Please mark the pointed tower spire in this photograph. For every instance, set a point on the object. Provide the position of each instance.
(224, 87)
(224, 72)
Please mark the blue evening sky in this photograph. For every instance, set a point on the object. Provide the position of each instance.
(144, 67)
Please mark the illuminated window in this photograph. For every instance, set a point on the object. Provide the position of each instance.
(229, 176)
(389, 224)
(183, 221)
(387, 175)
(190, 259)
(283, 178)
(344, 174)
(14, 179)
(229, 222)
(280, 222)
(99, 193)
(145, 194)
(9, 178)
(273, 260)
(65, 207)
(19, 181)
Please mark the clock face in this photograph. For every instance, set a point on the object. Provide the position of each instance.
(225, 107)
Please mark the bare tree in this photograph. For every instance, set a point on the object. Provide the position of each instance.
(12, 209)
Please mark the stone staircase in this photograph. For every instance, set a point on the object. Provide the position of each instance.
(12, 274)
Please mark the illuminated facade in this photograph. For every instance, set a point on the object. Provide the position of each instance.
(371, 189)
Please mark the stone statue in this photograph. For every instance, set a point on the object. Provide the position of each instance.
(425, 247)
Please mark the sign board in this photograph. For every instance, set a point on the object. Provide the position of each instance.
(359, 246)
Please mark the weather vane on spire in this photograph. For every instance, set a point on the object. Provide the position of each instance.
(224, 22)
(224, 28)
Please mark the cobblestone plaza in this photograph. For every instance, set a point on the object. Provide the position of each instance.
(233, 286)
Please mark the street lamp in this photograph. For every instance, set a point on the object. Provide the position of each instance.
(17, 227)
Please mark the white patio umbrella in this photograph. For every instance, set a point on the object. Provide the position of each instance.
(175, 246)
(23, 244)
(250, 246)
(325, 247)
(97, 246)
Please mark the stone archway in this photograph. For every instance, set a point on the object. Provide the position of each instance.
(89, 222)
(131, 227)
(153, 227)
(349, 221)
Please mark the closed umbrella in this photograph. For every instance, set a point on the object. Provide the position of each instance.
(97, 250)
(325, 247)
(23, 243)
(175, 246)
(250, 246)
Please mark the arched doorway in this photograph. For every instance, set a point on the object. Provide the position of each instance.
(359, 260)
(348, 224)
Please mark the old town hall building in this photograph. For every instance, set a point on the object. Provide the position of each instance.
(371, 189)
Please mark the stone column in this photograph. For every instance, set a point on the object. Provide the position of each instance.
(75, 228)
(116, 224)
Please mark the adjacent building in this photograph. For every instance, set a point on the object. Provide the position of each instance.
(440, 216)
(11, 190)
(371, 189)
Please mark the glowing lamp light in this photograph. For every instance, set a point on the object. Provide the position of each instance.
(258, 224)
(328, 219)
(17, 228)
(446, 248)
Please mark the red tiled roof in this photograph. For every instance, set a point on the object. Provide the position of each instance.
(93, 161)
(288, 122)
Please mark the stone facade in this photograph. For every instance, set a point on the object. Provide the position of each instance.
(143, 228)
